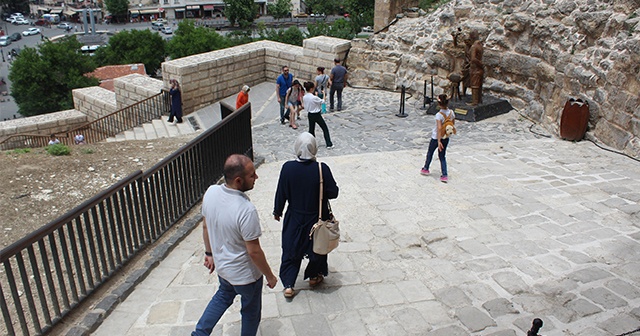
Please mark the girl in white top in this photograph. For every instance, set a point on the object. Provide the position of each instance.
(313, 105)
(437, 141)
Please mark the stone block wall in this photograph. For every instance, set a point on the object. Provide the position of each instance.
(46, 124)
(95, 102)
(386, 11)
(134, 88)
(209, 77)
(536, 55)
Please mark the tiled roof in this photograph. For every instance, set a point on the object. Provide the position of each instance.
(107, 74)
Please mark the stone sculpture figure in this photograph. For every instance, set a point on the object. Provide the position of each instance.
(476, 67)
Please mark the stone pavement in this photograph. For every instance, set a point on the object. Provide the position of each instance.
(527, 227)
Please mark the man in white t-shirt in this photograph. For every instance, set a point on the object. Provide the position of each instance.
(231, 231)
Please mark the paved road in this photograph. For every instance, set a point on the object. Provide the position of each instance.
(528, 226)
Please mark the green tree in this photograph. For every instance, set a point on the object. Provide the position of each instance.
(280, 9)
(118, 8)
(241, 11)
(361, 13)
(42, 79)
(291, 35)
(190, 40)
(134, 46)
(322, 6)
(318, 29)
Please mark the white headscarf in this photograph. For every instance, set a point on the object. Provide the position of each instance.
(305, 147)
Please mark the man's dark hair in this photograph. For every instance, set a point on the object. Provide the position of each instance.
(284, 66)
(234, 167)
(308, 86)
(336, 60)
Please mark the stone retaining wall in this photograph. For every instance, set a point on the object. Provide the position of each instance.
(209, 77)
(95, 102)
(47, 124)
(134, 88)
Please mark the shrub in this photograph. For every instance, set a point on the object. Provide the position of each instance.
(19, 151)
(87, 151)
(58, 150)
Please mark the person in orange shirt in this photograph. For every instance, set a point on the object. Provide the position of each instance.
(243, 96)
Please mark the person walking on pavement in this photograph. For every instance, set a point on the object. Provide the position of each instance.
(437, 141)
(322, 81)
(176, 102)
(313, 105)
(231, 232)
(283, 83)
(243, 96)
(299, 186)
(337, 80)
(294, 103)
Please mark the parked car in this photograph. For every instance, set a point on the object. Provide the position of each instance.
(41, 22)
(167, 30)
(301, 15)
(31, 31)
(21, 21)
(65, 26)
(15, 36)
(160, 21)
(5, 41)
(157, 25)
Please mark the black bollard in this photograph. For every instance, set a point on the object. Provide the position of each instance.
(535, 327)
(401, 114)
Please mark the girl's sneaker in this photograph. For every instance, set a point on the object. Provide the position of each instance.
(424, 171)
(444, 179)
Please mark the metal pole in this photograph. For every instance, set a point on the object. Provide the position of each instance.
(401, 114)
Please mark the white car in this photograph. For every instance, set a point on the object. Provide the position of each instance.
(167, 30)
(21, 21)
(31, 31)
(5, 41)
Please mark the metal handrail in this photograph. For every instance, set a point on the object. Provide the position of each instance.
(102, 128)
(49, 272)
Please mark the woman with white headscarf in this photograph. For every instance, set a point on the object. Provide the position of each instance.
(299, 186)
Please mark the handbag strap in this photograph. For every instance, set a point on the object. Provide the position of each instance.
(321, 187)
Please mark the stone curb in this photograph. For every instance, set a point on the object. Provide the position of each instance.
(96, 316)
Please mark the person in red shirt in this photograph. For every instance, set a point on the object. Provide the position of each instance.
(243, 96)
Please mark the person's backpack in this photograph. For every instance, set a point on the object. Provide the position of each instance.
(448, 126)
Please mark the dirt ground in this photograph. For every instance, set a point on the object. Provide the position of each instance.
(37, 187)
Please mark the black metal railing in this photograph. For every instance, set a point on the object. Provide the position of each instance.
(49, 272)
(95, 131)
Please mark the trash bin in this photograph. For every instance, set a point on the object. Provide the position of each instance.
(574, 120)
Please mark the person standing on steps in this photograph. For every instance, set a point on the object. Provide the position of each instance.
(231, 232)
(337, 82)
(283, 83)
(243, 96)
(176, 102)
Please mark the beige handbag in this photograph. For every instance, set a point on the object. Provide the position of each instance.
(325, 234)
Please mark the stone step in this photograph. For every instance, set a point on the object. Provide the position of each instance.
(158, 128)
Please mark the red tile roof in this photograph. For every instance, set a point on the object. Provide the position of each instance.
(107, 74)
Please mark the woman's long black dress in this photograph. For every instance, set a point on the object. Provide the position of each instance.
(299, 185)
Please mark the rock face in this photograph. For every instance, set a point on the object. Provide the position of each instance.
(537, 54)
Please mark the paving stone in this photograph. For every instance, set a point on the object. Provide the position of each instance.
(474, 247)
(453, 297)
(553, 264)
(474, 319)
(356, 297)
(411, 320)
(385, 294)
(532, 303)
(620, 324)
(164, 313)
(592, 332)
(310, 324)
(499, 307)
(378, 322)
(507, 332)
(415, 290)
(590, 274)
(524, 323)
(604, 297)
(347, 323)
(324, 301)
(276, 327)
(486, 264)
(577, 257)
(450, 331)
(299, 305)
(511, 282)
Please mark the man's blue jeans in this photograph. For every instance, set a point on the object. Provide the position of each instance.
(250, 298)
(283, 104)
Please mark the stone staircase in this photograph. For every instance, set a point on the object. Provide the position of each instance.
(159, 128)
